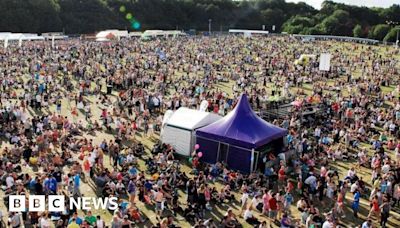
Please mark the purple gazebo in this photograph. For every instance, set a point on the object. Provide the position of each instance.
(238, 138)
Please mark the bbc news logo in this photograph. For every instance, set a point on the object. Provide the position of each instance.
(56, 203)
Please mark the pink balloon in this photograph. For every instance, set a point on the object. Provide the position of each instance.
(200, 154)
(197, 146)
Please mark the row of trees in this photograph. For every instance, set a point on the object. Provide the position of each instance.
(88, 16)
(345, 20)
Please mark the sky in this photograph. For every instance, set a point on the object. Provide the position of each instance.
(369, 3)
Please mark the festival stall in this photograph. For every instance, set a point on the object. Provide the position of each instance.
(241, 139)
(179, 128)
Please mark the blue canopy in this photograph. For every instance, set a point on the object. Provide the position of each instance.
(242, 128)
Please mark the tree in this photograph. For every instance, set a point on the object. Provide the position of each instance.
(391, 36)
(316, 30)
(339, 23)
(329, 25)
(29, 15)
(272, 17)
(357, 31)
(88, 16)
(390, 14)
(379, 32)
(297, 24)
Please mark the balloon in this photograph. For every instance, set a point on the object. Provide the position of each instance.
(200, 154)
(196, 147)
(190, 159)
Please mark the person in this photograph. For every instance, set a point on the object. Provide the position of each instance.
(249, 217)
(100, 222)
(243, 200)
(76, 184)
(273, 207)
(385, 212)
(263, 224)
(328, 223)
(356, 202)
(288, 200)
(73, 224)
(159, 198)
(91, 219)
(375, 209)
(10, 181)
(60, 224)
(132, 191)
(209, 223)
(125, 222)
(116, 222)
(76, 219)
(45, 221)
(266, 197)
(367, 224)
(340, 205)
(286, 222)
(353, 110)
(15, 220)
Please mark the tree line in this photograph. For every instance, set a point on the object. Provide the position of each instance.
(89, 16)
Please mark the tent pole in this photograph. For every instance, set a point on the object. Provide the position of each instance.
(252, 160)
(219, 153)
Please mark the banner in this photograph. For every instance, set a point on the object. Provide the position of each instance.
(325, 62)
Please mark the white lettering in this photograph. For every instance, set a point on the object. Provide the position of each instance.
(85, 203)
(75, 203)
(56, 203)
(37, 203)
(16, 203)
(113, 203)
(100, 203)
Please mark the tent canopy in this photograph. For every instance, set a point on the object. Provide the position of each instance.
(19, 36)
(108, 35)
(242, 128)
(190, 119)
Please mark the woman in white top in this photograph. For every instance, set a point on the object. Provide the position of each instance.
(151, 129)
(100, 223)
(45, 222)
(397, 153)
(243, 200)
(249, 217)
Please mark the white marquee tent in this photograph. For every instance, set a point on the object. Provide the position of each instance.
(179, 129)
(7, 37)
(158, 33)
(19, 36)
(106, 34)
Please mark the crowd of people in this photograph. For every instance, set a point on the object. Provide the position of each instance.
(80, 115)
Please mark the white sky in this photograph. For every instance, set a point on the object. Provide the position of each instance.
(369, 3)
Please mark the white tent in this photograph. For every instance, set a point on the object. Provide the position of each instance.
(4, 35)
(19, 36)
(54, 35)
(156, 33)
(179, 129)
(135, 34)
(106, 34)
(8, 36)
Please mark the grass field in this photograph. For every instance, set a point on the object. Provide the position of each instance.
(219, 210)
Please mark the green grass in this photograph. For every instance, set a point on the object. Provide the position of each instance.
(219, 210)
